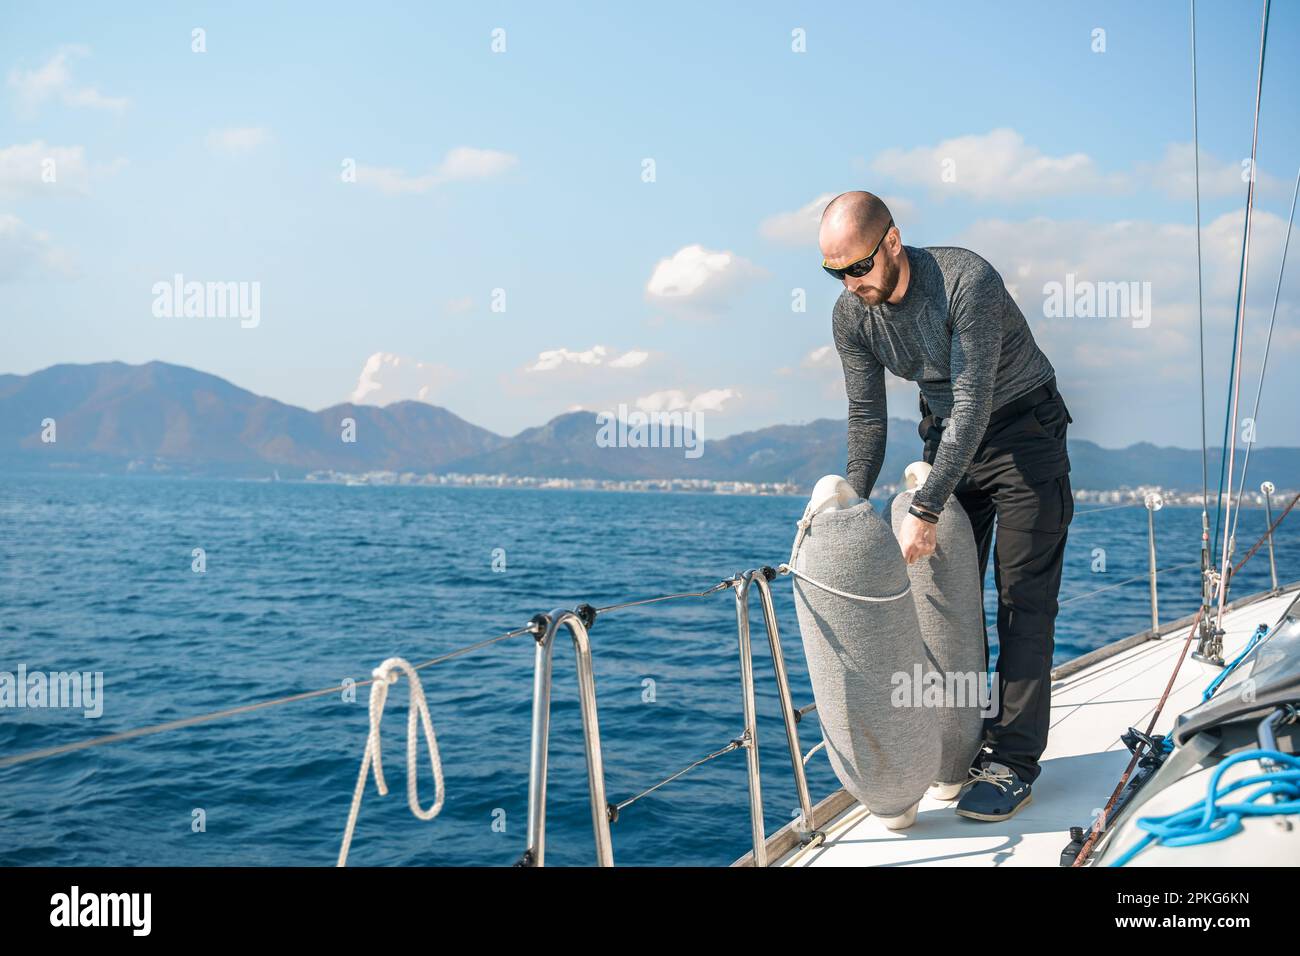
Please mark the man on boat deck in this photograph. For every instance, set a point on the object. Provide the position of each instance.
(994, 430)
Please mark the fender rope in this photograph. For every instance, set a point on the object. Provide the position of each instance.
(386, 674)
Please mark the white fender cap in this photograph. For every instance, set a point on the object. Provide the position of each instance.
(914, 475)
(831, 493)
(945, 791)
(903, 820)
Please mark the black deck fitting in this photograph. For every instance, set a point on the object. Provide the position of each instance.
(1075, 846)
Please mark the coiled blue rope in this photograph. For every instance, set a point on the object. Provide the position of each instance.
(1260, 633)
(1209, 820)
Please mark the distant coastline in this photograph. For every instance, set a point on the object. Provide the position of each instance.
(1098, 497)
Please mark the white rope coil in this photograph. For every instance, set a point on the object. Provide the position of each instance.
(786, 569)
(386, 674)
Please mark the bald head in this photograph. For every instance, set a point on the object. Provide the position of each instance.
(855, 226)
(855, 215)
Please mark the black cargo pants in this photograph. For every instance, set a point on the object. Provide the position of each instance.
(1019, 477)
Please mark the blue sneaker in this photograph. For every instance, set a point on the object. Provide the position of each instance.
(996, 793)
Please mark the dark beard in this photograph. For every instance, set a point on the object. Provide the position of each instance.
(887, 282)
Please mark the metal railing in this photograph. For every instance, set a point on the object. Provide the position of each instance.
(1152, 502)
(579, 622)
(791, 716)
(1267, 488)
(547, 626)
(1209, 647)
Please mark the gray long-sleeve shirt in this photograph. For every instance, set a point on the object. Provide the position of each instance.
(960, 336)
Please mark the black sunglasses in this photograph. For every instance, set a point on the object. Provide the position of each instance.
(860, 268)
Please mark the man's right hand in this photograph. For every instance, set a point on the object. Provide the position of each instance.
(916, 539)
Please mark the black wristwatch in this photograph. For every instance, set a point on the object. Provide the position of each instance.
(923, 515)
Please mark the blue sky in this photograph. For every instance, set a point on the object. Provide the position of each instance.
(522, 171)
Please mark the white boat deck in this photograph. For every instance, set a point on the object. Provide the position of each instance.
(1082, 764)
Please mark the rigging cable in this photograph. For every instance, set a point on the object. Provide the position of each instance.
(1238, 335)
(1261, 632)
(1200, 305)
(1087, 511)
(1268, 344)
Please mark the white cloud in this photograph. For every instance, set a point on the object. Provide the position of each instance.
(799, 228)
(89, 97)
(25, 251)
(461, 163)
(1031, 252)
(674, 399)
(713, 399)
(1174, 174)
(553, 359)
(238, 139)
(998, 165)
(388, 378)
(823, 357)
(466, 162)
(32, 89)
(26, 170)
(696, 273)
(1107, 358)
(630, 359)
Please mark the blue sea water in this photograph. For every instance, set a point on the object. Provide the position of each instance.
(306, 585)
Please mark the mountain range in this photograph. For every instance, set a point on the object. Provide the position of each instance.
(111, 417)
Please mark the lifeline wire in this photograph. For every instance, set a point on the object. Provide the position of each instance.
(32, 755)
(47, 752)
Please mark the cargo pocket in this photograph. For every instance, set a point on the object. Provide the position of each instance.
(1036, 442)
(1051, 418)
(1044, 506)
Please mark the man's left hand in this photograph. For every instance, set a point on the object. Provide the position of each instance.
(916, 538)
